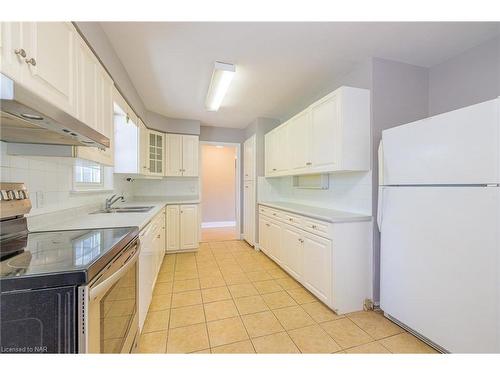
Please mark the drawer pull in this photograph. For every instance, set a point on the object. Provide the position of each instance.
(314, 226)
(290, 219)
(268, 225)
(21, 52)
(274, 213)
(301, 240)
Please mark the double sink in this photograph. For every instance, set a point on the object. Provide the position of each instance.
(124, 209)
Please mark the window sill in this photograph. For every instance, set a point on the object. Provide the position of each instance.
(91, 191)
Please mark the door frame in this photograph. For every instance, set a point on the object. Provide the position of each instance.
(238, 181)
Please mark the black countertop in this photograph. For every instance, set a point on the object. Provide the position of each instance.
(54, 259)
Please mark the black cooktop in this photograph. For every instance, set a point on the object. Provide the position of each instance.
(49, 259)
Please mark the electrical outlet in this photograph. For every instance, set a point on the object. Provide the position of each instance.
(39, 199)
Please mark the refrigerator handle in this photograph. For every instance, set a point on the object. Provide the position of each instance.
(380, 207)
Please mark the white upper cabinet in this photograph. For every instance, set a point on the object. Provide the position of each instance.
(156, 153)
(174, 155)
(190, 147)
(42, 57)
(249, 159)
(12, 50)
(332, 134)
(182, 155)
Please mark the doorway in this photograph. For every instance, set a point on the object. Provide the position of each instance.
(220, 191)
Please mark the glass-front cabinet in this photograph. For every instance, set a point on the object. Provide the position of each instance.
(156, 153)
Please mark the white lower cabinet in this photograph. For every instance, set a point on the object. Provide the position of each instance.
(292, 254)
(151, 256)
(317, 266)
(331, 260)
(181, 227)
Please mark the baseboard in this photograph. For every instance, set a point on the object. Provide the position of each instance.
(218, 224)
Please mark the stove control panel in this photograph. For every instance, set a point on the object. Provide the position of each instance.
(14, 199)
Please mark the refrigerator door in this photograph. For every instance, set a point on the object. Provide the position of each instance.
(440, 264)
(458, 147)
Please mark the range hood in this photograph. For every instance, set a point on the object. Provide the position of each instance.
(29, 118)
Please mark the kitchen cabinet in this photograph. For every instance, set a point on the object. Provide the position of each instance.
(249, 212)
(182, 227)
(42, 57)
(249, 162)
(155, 152)
(276, 151)
(172, 232)
(190, 149)
(12, 50)
(182, 155)
(150, 259)
(331, 260)
(94, 103)
(293, 251)
(317, 266)
(332, 134)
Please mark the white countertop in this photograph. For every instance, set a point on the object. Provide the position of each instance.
(112, 220)
(325, 214)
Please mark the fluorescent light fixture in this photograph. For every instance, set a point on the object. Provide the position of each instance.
(219, 146)
(221, 79)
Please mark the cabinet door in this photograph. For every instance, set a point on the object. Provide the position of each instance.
(323, 141)
(146, 276)
(275, 242)
(87, 83)
(270, 153)
(190, 145)
(188, 226)
(105, 115)
(173, 149)
(249, 212)
(143, 148)
(11, 49)
(249, 158)
(280, 153)
(172, 225)
(298, 142)
(156, 155)
(264, 234)
(292, 254)
(51, 56)
(318, 266)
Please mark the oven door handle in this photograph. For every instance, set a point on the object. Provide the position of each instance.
(101, 288)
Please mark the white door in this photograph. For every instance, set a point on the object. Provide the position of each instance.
(173, 228)
(146, 276)
(292, 251)
(188, 226)
(280, 153)
(298, 141)
(263, 234)
(173, 149)
(249, 159)
(458, 147)
(318, 266)
(440, 264)
(12, 50)
(270, 153)
(275, 247)
(249, 212)
(324, 133)
(51, 61)
(190, 149)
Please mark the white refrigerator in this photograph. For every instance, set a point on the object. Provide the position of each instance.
(439, 218)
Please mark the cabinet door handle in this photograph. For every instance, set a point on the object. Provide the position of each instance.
(31, 61)
(308, 163)
(301, 240)
(314, 226)
(20, 52)
(274, 169)
(290, 219)
(158, 236)
(268, 225)
(274, 213)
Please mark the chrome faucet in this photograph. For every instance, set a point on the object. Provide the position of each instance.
(112, 200)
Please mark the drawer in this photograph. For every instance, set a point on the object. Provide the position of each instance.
(271, 212)
(292, 219)
(315, 226)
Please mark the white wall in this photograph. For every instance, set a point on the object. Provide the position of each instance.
(164, 187)
(346, 192)
(51, 178)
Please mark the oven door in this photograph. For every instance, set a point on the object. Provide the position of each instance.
(108, 320)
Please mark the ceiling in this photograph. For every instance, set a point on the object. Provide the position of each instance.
(277, 64)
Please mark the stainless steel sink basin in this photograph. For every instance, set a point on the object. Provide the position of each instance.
(124, 209)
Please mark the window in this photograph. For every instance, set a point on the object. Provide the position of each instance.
(88, 175)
